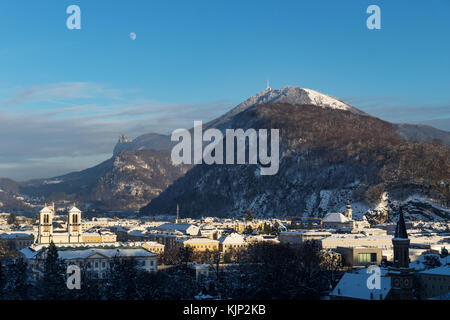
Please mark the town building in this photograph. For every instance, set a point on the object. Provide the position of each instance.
(96, 261)
(434, 282)
(360, 256)
(18, 239)
(200, 244)
(298, 237)
(168, 239)
(403, 280)
(184, 228)
(234, 241)
(73, 232)
(154, 247)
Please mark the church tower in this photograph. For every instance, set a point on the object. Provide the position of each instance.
(74, 225)
(348, 210)
(402, 276)
(45, 231)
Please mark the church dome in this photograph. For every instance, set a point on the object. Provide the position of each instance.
(335, 217)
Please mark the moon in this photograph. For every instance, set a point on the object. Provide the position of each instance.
(133, 36)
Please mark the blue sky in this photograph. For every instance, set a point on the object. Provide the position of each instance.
(65, 95)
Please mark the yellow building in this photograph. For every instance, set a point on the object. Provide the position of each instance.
(154, 247)
(200, 244)
(241, 226)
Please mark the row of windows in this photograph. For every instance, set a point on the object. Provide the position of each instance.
(234, 245)
(367, 257)
(104, 264)
(440, 287)
(204, 246)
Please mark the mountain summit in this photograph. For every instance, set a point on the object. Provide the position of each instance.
(288, 95)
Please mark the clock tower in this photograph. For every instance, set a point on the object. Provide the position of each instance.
(402, 276)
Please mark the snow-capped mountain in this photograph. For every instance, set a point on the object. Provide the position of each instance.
(289, 95)
(330, 150)
(326, 155)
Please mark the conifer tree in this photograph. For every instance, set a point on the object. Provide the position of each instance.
(54, 280)
(17, 280)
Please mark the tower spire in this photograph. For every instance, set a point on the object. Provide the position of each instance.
(400, 229)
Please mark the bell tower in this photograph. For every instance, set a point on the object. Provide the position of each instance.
(402, 276)
(45, 225)
(74, 225)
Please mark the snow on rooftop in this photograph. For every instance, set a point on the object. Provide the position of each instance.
(232, 238)
(196, 240)
(110, 253)
(354, 285)
(443, 270)
(335, 217)
(16, 234)
(29, 253)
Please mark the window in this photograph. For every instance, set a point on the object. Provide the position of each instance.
(103, 264)
(96, 264)
(367, 257)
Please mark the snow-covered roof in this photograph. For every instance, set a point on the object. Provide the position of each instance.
(442, 271)
(16, 234)
(354, 285)
(109, 253)
(137, 233)
(234, 238)
(196, 240)
(29, 253)
(335, 217)
(91, 234)
(175, 226)
(419, 265)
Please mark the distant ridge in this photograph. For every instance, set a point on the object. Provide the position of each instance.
(421, 132)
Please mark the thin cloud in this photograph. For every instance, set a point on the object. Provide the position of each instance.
(394, 109)
(43, 143)
(59, 92)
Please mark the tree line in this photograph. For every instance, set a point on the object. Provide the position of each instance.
(264, 271)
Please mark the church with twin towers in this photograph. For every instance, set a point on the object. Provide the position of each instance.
(72, 234)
